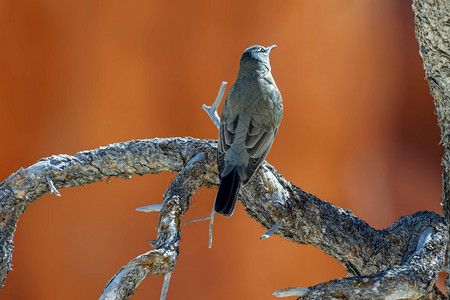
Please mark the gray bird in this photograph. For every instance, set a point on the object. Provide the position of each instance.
(250, 118)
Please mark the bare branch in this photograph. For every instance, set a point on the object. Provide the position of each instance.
(290, 292)
(432, 20)
(366, 253)
(211, 223)
(212, 110)
(175, 204)
(432, 23)
(124, 283)
(150, 208)
(413, 278)
(271, 231)
(120, 160)
(165, 287)
(197, 220)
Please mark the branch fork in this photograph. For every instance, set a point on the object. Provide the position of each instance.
(401, 261)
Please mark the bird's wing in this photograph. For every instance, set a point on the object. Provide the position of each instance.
(227, 131)
(258, 142)
(261, 133)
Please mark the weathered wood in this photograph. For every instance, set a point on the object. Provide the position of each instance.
(410, 248)
(432, 24)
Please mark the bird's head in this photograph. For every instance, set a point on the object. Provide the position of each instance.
(256, 57)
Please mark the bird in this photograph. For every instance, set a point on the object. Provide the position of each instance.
(249, 121)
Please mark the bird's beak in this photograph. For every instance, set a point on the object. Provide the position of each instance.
(270, 48)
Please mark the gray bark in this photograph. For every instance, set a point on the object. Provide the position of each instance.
(432, 23)
(432, 20)
(402, 260)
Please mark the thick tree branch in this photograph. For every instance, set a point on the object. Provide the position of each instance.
(432, 23)
(120, 160)
(308, 220)
(268, 198)
(432, 20)
(411, 279)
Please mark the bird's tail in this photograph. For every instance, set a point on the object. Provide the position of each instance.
(227, 194)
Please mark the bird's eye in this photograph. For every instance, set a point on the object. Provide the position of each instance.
(262, 50)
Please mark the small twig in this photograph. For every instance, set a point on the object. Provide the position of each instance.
(271, 231)
(196, 220)
(212, 110)
(165, 286)
(150, 208)
(211, 223)
(52, 186)
(212, 113)
(291, 292)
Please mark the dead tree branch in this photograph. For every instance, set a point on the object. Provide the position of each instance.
(432, 20)
(432, 24)
(161, 260)
(410, 248)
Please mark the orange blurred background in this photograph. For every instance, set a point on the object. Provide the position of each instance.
(358, 130)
